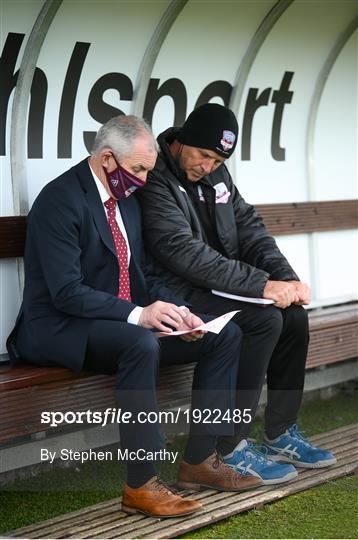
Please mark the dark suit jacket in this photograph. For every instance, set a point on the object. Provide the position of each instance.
(71, 272)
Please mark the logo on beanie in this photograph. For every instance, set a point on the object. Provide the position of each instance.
(228, 140)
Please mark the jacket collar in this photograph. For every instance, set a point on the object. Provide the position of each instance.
(95, 205)
(164, 140)
(223, 214)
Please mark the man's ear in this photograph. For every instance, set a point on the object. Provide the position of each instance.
(106, 158)
(175, 147)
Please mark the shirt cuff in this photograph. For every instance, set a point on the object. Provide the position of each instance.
(134, 316)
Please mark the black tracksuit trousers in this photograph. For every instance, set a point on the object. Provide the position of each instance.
(274, 344)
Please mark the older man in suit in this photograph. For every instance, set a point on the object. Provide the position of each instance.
(91, 302)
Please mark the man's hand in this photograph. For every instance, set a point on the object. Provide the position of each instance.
(283, 292)
(303, 293)
(191, 321)
(160, 313)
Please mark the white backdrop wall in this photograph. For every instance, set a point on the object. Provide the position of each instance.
(263, 58)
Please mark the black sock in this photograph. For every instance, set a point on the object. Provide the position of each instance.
(139, 473)
(199, 448)
(226, 445)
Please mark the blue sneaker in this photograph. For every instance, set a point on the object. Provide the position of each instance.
(245, 459)
(292, 447)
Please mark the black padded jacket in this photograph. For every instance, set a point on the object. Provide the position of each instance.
(176, 239)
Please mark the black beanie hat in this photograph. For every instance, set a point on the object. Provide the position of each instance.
(211, 126)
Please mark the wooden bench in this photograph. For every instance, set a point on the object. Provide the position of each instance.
(25, 391)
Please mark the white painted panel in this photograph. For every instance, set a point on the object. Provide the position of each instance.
(299, 43)
(337, 264)
(6, 200)
(335, 148)
(118, 34)
(296, 250)
(10, 299)
(206, 43)
(17, 17)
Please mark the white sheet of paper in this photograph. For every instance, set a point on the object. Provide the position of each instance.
(215, 326)
(261, 301)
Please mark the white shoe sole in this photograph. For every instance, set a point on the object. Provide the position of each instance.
(290, 476)
(302, 464)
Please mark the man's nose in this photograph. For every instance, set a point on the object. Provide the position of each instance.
(207, 165)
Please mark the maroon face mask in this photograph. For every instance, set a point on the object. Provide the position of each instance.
(121, 182)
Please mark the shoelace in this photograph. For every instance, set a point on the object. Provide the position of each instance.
(296, 434)
(256, 454)
(163, 486)
(220, 460)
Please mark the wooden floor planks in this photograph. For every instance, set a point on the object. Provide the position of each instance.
(105, 520)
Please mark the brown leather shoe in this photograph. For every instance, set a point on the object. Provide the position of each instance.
(156, 499)
(213, 473)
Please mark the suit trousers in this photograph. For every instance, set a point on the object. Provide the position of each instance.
(134, 354)
(275, 343)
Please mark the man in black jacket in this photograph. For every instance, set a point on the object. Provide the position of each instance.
(203, 236)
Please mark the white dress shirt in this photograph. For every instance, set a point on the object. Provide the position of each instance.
(134, 315)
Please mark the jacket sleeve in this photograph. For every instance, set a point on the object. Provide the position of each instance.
(54, 228)
(157, 290)
(256, 246)
(173, 243)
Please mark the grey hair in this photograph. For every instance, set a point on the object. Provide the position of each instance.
(120, 133)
